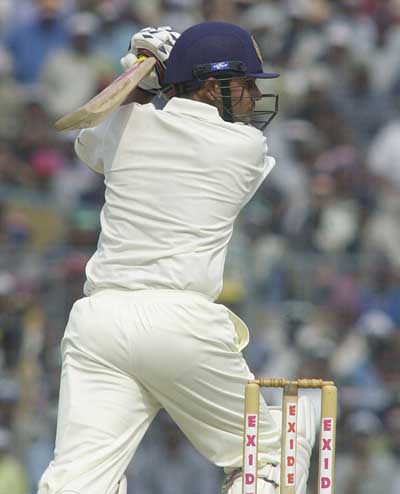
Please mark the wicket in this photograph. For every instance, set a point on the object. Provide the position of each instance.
(327, 440)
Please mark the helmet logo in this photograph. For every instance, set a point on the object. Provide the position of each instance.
(257, 48)
(219, 66)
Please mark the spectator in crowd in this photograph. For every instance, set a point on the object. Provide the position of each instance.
(117, 25)
(360, 105)
(11, 98)
(59, 73)
(13, 477)
(167, 448)
(30, 43)
(392, 425)
(365, 468)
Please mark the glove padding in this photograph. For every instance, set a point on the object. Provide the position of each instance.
(151, 42)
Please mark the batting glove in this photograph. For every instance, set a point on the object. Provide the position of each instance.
(151, 42)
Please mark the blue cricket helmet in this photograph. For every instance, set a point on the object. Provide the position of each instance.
(211, 48)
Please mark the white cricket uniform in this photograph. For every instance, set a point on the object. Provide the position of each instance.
(149, 335)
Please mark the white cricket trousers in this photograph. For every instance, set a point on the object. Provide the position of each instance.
(126, 355)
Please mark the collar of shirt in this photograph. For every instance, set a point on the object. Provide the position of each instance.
(193, 108)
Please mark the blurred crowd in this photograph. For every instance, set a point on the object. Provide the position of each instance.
(314, 265)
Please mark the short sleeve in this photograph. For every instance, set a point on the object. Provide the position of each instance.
(89, 147)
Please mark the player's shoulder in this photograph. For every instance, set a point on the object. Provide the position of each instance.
(131, 112)
(249, 135)
(138, 107)
(249, 130)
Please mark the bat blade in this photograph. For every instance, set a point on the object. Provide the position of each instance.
(102, 105)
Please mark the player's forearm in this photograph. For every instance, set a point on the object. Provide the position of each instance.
(138, 96)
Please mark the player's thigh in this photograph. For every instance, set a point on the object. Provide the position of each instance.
(209, 407)
(103, 414)
(199, 376)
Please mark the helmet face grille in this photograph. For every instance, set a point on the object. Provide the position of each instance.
(262, 118)
(265, 111)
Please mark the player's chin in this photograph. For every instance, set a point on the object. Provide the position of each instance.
(245, 118)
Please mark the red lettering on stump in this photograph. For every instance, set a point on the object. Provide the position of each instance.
(251, 440)
(251, 420)
(326, 444)
(325, 482)
(249, 478)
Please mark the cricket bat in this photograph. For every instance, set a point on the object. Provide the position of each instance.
(102, 105)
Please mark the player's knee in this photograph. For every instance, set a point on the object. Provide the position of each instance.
(269, 476)
(267, 481)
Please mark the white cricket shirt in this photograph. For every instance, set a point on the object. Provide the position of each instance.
(176, 180)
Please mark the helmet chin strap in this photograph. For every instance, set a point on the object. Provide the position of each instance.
(226, 97)
(227, 110)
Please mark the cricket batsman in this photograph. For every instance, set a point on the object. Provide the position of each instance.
(148, 334)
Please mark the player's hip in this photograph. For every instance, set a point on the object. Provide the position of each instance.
(151, 328)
